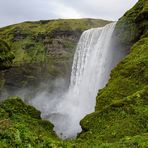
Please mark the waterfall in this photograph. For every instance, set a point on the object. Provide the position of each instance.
(93, 60)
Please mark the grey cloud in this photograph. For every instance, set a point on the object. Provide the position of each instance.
(111, 9)
(14, 11)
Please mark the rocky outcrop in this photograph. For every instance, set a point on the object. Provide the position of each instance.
(133, 25)
(6, 55)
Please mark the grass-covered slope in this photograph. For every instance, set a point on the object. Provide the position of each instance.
(40, 51)
(43, 50)
(21, 126)
(6, 55)
(122, 106)
(121, 116)
(6, 60)
(30, 40)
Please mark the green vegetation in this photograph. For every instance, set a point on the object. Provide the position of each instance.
(121, 107)
(6, 60)
(6, 55)
(21, 126)
(127, 117)
(133, 25)
(121, 115)
(43, 48)
(30, 39)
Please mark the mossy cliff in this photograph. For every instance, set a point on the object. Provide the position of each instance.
(121, 114)
(133, 25)
(43, 50)
(122, 106)
(6, 55)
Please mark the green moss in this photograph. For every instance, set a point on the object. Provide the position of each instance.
(128, 141)
(120, 119)
(16, 105)
(129, 76)
(21, 126)
(133, 24)
(6, 55)
(121, 108)
(37, 33)
(134, 142)
(42, 48)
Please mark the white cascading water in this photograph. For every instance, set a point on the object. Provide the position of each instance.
(93, 60)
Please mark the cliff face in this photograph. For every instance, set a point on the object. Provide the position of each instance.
(43, 50)
(120, 118)
(6, 55)
(133, 25)
(121, 107)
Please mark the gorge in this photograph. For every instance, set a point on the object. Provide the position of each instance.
(94, 58)
(101, 100)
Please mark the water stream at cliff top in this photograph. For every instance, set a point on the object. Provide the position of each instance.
(93, 60)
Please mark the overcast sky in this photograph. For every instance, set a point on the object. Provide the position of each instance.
(15, 11)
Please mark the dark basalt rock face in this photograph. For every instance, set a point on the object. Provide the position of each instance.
(133, 25)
